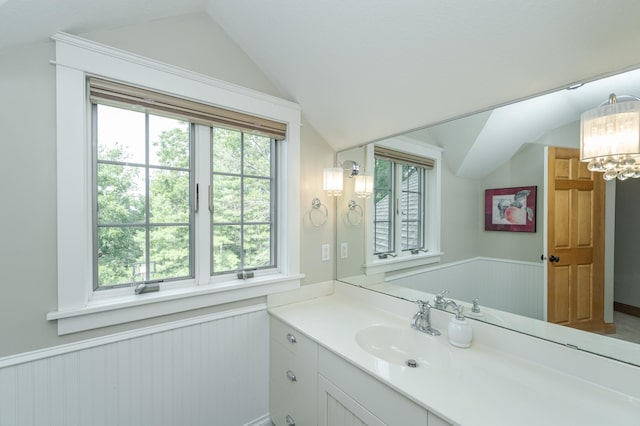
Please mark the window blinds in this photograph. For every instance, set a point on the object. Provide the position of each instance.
(403, 157)
(122, 95)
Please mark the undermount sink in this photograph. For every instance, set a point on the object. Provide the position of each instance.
(397, 345)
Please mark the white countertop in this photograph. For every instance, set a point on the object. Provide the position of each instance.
(481, 385)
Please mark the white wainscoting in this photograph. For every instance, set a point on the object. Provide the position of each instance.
(507, 285)
(210, 370)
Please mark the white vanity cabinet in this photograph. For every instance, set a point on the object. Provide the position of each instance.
(310, 385)
(293, 383)
(349, 396)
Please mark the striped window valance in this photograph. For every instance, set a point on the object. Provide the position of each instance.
(125, 96)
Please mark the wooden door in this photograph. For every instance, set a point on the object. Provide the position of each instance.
(575, 249)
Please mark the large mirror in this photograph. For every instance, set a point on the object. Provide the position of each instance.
(511, 275)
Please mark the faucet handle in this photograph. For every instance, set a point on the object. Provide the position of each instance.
(423, 305)
(476, 306)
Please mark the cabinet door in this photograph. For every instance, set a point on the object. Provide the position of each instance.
(387, 405)
(336, 408)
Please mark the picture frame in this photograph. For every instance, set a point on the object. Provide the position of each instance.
(510, 209)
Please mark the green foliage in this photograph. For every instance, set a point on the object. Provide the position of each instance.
(121, 200)
(241, 185)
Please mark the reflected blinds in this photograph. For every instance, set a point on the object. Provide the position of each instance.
(122, 95)
(403, 157)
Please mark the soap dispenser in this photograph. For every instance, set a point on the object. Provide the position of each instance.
(460, 332)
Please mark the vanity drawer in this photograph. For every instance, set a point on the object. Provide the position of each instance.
(293, 383)
(296, 342)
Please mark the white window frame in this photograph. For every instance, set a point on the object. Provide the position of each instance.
(404, 259)
(81, 308)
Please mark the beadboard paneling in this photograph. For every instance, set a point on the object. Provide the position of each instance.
(214, 372)
(507, 285)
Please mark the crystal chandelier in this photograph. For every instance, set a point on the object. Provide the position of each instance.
(610, 138)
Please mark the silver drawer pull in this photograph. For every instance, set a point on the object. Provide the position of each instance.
(291, 338)
(291, 376)
(290, 421)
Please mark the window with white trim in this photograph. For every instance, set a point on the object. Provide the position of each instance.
(399, 200)
(148, 197)
(202, 183)
(405, 221)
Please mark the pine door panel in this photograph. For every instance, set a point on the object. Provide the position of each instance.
(575, 248)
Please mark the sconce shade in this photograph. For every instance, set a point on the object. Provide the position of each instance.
(610, 138)
(333, 181)
(363, 186)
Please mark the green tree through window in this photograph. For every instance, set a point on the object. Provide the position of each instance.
(242, 192)
(143, 181)
(145, 226)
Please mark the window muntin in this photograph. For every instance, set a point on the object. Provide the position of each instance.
(399, 203)
(143, 226)
(243, 201)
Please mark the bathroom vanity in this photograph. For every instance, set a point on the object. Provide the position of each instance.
(351, 358)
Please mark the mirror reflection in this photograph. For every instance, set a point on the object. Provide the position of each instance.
(578, 269)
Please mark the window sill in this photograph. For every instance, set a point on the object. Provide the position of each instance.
(398, 264)
(107, 311)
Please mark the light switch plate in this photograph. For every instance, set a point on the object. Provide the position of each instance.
(325, 252)
(344, 250)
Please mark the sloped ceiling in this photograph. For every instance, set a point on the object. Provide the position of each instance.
(366, 69)
(363, 70)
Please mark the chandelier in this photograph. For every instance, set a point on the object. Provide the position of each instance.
(610, 138)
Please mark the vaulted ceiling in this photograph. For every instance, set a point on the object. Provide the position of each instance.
(363, 70)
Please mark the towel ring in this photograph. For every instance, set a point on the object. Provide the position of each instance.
(320, 216)
(355, 213)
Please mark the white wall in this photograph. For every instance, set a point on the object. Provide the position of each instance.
(459, 220)
(28, 170)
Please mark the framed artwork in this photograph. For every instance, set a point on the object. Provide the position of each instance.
(510, 209)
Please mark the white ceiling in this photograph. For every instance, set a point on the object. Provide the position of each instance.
(363, 70)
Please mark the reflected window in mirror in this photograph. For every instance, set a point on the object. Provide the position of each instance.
(399, 207)
(404, 227)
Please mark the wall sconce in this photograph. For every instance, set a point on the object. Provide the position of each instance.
(332, 182)
(333, 177)
(364, 186)
(610, 138)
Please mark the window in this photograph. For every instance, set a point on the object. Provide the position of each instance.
(406, 205)
(201, 183)
(399, 207)
(143, 225)
(243, 196)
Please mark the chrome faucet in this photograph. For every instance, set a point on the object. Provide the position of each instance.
(442, 303)
(422, 319)
(439, 302)
(450, 302)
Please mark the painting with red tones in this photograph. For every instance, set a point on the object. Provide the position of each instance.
(510, 209)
